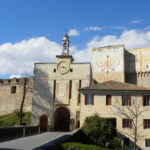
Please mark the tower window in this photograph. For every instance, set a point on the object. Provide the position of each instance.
(79, 83)
(70, 89)
(54, 89)
(71, 70)
(54, 70)
(13, 89)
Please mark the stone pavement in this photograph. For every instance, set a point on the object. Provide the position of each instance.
(35, 142)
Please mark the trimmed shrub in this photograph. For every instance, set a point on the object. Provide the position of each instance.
(102, 131)
(79, 146)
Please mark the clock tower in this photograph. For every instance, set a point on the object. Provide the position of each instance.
(64, 60)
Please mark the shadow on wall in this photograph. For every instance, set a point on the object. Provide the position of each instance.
(44, 99)
(130, 68)
(126, 141)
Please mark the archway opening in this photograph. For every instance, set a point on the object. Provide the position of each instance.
(43, 123)
(62, 119)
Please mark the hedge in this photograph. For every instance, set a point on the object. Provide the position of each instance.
(79, 146)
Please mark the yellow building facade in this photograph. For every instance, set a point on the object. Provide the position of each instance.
(65, 93)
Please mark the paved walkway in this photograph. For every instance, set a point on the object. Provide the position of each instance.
(35, 142)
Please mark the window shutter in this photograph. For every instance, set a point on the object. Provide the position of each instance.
(122, 123)
(110, 100)
(122, 100)
(143, 100)
(144, 123)
(129, 100)
(130, 124)
(85, 99)
(92, 99)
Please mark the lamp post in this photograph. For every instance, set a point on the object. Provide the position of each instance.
(122, 142)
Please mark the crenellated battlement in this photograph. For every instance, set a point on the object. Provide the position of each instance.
(143, 74)
(15, 81)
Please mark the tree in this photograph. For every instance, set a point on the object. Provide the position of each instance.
(101, 131)
(25, 88)
(131, 111)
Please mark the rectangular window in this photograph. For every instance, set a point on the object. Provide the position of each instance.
(126, 141)
(70, 89)
(54, 89)
(77, 119)
(146, 123)
(13, 89)
(146, 100)
(89, 99)
(79, 95)
(126, 123)
(147, 142)
(79, 83)
(126, 100)
(108, 99)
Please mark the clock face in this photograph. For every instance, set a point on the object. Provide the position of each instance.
(63, 67)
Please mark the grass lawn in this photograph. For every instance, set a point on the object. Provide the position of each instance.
(13, 119)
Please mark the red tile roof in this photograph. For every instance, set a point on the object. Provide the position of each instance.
(114, 86)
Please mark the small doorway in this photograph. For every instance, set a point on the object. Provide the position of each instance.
(77, 119)
(62, 119)
(43, 123)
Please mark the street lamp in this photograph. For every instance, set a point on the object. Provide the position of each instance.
(122, 142)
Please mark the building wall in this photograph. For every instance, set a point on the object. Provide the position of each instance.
(138, 66)
(138, 60)
(106, 111)
(44, 101)
(108, 63)
(10, 102)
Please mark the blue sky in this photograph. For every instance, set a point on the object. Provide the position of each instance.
(32, 30)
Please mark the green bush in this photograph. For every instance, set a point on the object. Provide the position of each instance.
(79, 146)
(102, 131)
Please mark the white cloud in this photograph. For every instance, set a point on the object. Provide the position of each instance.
(117, 27)
(73, 32)
(25, 53)
(135, 22)
(20, 57)
(14, 76)
(130, 39)
(147, 28)
(93, 28)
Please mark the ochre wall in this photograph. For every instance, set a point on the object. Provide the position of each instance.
(108, 63)
(105, 111)
(10, 102)
(138, 60)
(43, 100)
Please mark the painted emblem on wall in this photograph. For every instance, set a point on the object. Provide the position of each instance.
(108, 64)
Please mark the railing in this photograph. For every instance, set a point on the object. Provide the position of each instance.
(7, 132)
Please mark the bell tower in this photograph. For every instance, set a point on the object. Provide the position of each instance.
(65, 51)
(65, 44)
